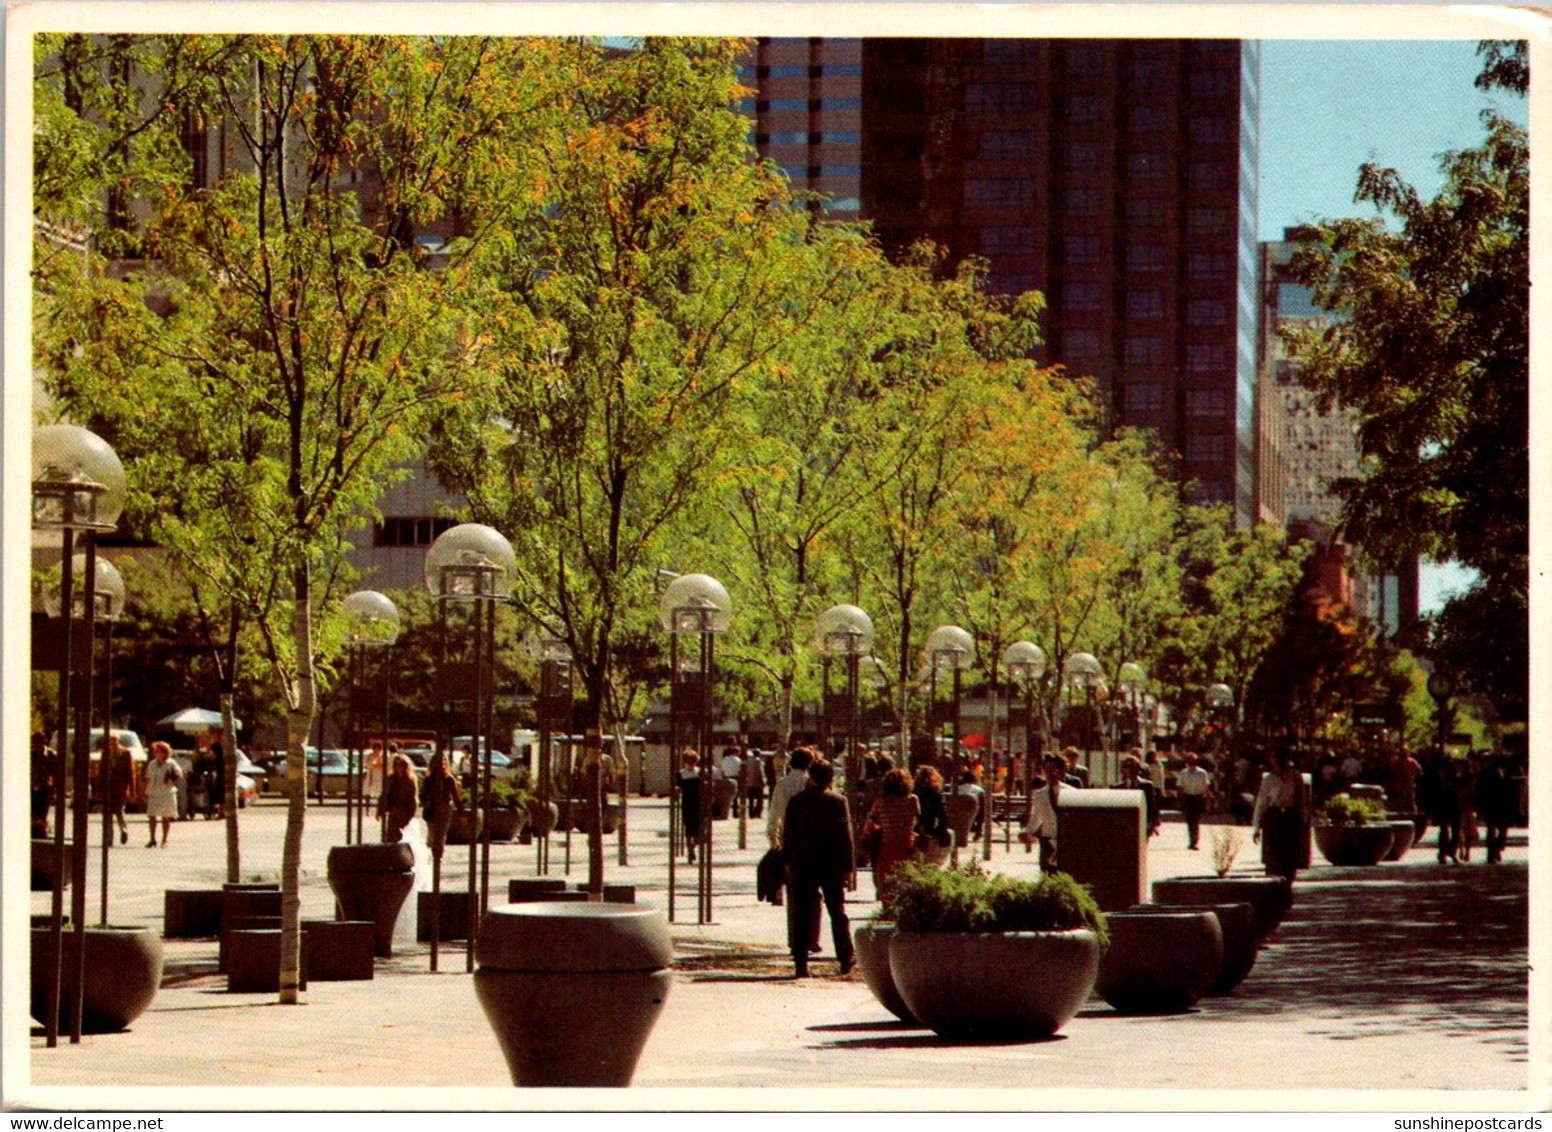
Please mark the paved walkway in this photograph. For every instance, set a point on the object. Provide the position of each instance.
(1406, 976)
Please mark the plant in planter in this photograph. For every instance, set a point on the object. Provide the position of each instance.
(1225, 847)
(1352, 831)
(982, 955)
(509, 809)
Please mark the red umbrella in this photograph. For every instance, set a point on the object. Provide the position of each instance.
(976, 740)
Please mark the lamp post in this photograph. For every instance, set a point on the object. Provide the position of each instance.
(77, 485)
(1220, 697)
(473, 563)
(846, 632)
(1441, 686)
(547, 644)
(698, 605)
(108, 597)
(1131, 681)
(1025, 663)
(372, 622)
(949, 646)
(1083, 670)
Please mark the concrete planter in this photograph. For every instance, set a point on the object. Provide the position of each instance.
(603, 968)
(454, 921)
(543, 819)
(722, 793)
(526, 890)
(1403, 833)
(1271, 897)
(1240, 940)
(336, 951)
(1354, 844)
(123, 974)
(192, 913)
(464, 827)
(994, 984)
(505, 825)
(1160, 962)
(871, 939)
(370, 881)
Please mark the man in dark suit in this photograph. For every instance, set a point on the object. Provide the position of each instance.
(817, 845)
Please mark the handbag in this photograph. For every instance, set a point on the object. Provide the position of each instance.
(872, 839)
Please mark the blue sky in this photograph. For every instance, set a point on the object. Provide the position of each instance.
(1328, 106)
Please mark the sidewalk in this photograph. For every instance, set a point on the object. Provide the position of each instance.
(1405, 976)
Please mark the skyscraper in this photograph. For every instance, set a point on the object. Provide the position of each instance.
(1116, 176)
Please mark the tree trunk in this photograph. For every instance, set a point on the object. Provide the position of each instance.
(784, 709)
(299, 719)
(229, 754)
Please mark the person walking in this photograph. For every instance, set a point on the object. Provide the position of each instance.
(891, 830)
(754, 782)
(162, 776)
(440, 796)
(1193, 784)
(1040, 818)
(120, 771)
(787, 787)
(397, 804)
(44, 774)
(689, 783)
(1281, 811)
(817, 846)
(1132, 778)
(934, 837)
(1440, 798)
(1495, 802)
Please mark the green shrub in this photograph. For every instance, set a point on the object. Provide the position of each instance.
(508, 795)
(967, 899)
(1342, 809)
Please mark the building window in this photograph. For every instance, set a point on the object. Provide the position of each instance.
(1150, 74)
(999, 96)
(1211, 84)
(1145, 303)
(1204, 175)
(1006, 143)
(1080, 251)
(409, 531)
(1209, 131)
(1207, 265)
(1080, 296)
(1206, 403)
(1080, 343)
(839, 104)
(1007, 241)
(838, 137)
(832, 69)
(1012, 283)
(784, 104)
(999, 191)
(1082, 157)
(1205, 448)
(1144, 352)
(1082, 110)
(1081, 202)
(1147, 119)
(1008, 50)
(835, 171)
(844, 204)
(1202, 358)
(1084, 58)
(1207, 221)
(1206, 312)
(800, 138)
(781, 72)
(1144, 257)
(1144, 212)
(1144, 397)
(1145, 166)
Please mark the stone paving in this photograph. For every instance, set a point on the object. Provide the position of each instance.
(1407, 976)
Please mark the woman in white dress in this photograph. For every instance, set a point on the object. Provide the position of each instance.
(161, 780)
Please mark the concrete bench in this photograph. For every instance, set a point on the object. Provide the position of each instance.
(338, 950)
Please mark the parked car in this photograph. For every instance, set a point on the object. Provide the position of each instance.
(333, 767)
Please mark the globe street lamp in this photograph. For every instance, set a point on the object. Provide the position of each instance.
(77, 485)
(1025, 663)
(1441, 686)
(372, 623)
(1131, 680)
(846, 632)
(1083, 671)
(697, 605)
(949, 646)
(1220, 698)
(546, 643)
(472, 563)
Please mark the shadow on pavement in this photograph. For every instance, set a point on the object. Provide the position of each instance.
(1399, 947)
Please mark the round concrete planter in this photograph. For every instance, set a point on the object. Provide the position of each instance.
(722, 793)
(370, 881)
(123, 974)
(1403, 833)
(543, 819)
(464, 826)
(1354, 844)
(994, 984)
(603, 968)
(871, 938)
(1271, 897)
(505, 825)
(1237, 922)
(1160, 962)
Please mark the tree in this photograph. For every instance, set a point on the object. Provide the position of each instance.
(1432, 351)
(279, 349)
(624, 316)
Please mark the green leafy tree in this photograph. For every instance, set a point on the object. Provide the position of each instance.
(1432, 352)
(277, 351)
